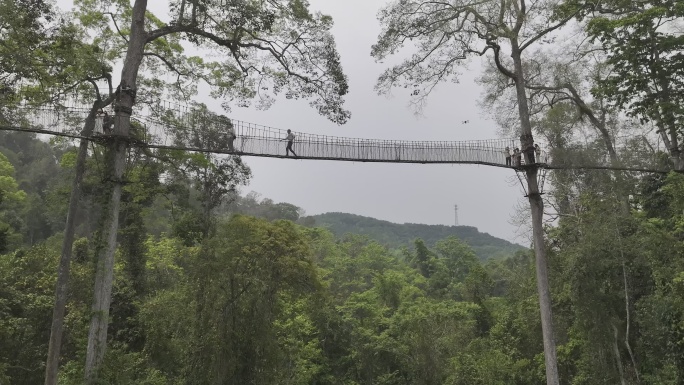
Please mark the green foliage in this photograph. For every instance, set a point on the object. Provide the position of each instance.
(11, 199)
(235, 286)
(615, 274)
(241, 35)
(8, 185)
(266, 301)
(26, 292)
(643, 55)
(45, 183)
(423, 260)
(644, 50)
(9, 188)
(22, 33)
(43, 53)
(270, 302)
(214, 178)
(251, 204)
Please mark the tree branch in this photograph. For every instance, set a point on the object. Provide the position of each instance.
(550, 29)
(497, 60)
(108, 76)
(232, 45)
(111, 15)
(181, 13)
(168, 63)
(95, 87)
(168, 30)
(520, 17)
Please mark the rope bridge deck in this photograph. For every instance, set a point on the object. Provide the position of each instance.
(210, 133)
(307, 146)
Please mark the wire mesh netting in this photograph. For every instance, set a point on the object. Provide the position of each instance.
(202, 130)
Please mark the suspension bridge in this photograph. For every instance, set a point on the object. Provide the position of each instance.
(207, 132)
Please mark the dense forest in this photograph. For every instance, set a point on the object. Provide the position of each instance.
(124, 264)
(257, 300)
(260, 299)
(396, 236)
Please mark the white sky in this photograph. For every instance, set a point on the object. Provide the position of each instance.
(486, 196)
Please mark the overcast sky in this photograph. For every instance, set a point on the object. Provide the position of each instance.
(486, 196)
(395, 192)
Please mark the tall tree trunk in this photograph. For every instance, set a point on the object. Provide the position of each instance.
(627, 308)
(97, 335)
(618, 359)
(61, 288)
(666, 121)
(537, 212)
(104, 268)
(669, 125)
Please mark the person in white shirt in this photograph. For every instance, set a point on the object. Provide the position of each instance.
(107, 122)
(290, 138)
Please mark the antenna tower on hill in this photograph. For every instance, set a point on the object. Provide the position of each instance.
(455, 215)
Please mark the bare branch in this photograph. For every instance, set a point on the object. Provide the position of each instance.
(111, 15)
(549, 30)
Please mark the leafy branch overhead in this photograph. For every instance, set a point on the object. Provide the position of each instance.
(250, 52)
(45, 53)
(643, 43)
(444, 35)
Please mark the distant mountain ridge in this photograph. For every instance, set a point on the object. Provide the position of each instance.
(395, 235)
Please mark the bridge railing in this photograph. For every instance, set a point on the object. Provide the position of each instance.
(255, 139)
(263, 140)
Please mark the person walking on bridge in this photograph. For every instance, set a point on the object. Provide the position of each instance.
(290, 139)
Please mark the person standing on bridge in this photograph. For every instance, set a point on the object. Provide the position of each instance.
(530, 154)
(107, 122)
(517, 157)
(231, 137)
(290, 139)
(507, 154)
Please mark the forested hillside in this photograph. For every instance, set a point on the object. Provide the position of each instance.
(394, 235)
